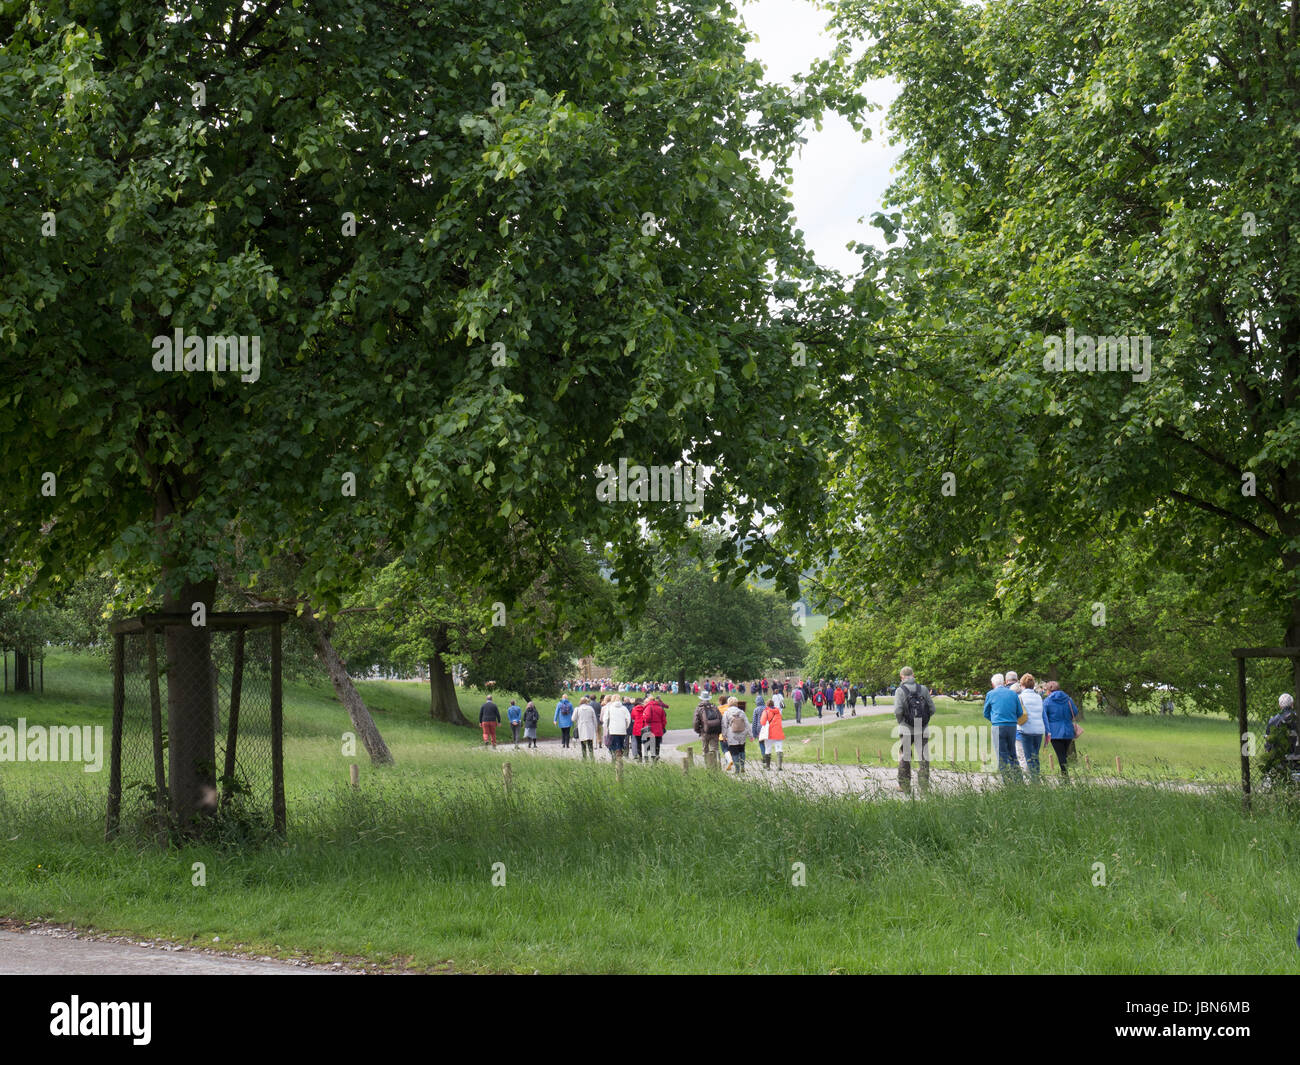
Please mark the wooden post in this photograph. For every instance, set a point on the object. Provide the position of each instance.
(506, 776)
(1119, 766)
(1242, 726)
(857, 755)
(155, 712)
(115, 758)
(618, 768)
(835, 754)
(690, 756)
(354, 774)
(686, 763)
(232, 724)
(277, 732)
(1088, 762)
(879, 756)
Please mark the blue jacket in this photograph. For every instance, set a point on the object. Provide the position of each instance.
(564, 713)
(514, 713)
(1059, 712)
(1001, 706)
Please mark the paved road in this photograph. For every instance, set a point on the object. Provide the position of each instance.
(47, 953)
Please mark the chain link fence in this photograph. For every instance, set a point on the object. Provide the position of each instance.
(197, 730)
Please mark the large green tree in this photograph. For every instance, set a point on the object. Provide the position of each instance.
(484, 248)
(694, 623)
(1076, 173)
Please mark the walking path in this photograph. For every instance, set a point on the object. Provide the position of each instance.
(47, 950)
(869, 780)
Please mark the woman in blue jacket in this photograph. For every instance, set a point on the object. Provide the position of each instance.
(515, 716)
(1059, 713)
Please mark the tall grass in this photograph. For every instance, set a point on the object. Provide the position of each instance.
(667, 873)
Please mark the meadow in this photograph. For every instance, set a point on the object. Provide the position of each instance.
(430, 865)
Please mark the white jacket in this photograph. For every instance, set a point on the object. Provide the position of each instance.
(1032, 704)
(584, 722)
(616, 719)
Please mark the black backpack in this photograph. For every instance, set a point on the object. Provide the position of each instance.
(916, 707)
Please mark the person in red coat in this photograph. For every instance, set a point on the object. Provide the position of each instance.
(638, 726)
(656, 720)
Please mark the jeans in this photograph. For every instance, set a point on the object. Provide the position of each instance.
(737, 755)
(514, 729)
(564, 736)
(798, 712)
(653, 741)
(1004, 736)
(1031, 742)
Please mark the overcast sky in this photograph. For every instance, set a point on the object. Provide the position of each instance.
(837, 177)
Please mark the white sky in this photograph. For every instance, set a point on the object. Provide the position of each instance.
(838, 178)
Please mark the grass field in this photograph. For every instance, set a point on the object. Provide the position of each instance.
(663, 872)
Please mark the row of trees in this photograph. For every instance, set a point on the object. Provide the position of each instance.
(1114, 624)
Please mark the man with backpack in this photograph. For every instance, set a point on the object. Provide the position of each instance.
(798, 705)
(913, 708)
(708, 726)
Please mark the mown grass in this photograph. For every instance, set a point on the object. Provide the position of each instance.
(661, 872)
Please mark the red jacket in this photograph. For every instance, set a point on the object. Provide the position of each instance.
(638, 719)
(656, 717)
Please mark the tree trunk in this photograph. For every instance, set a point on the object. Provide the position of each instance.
(1113, 704)
(22, 672)
(191, 725)
(443, 704)
(347, 692)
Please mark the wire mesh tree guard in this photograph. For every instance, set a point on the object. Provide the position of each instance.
(1242, 654)
(233, 752)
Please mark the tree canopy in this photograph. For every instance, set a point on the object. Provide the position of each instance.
(1091, 310)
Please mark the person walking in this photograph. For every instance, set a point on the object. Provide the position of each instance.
(755, 728)
(531, 720)
(515, 716)
(617, 720)
(913, 708)
(708, 726)
(489, 717)
(735, 728)
(818, 700)
(1002, 711)
(656, 716)
(564, 718)
(1031, 732)
(638, 726)
(584, 724)
(797, 699)
(772, 725)
(838, 697)
(1060, 715)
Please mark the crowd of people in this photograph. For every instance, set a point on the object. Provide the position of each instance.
(637, 731)
(1019, 715)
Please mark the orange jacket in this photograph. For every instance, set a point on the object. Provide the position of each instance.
(772, 719)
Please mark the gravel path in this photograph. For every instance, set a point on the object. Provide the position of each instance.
(871, 781)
